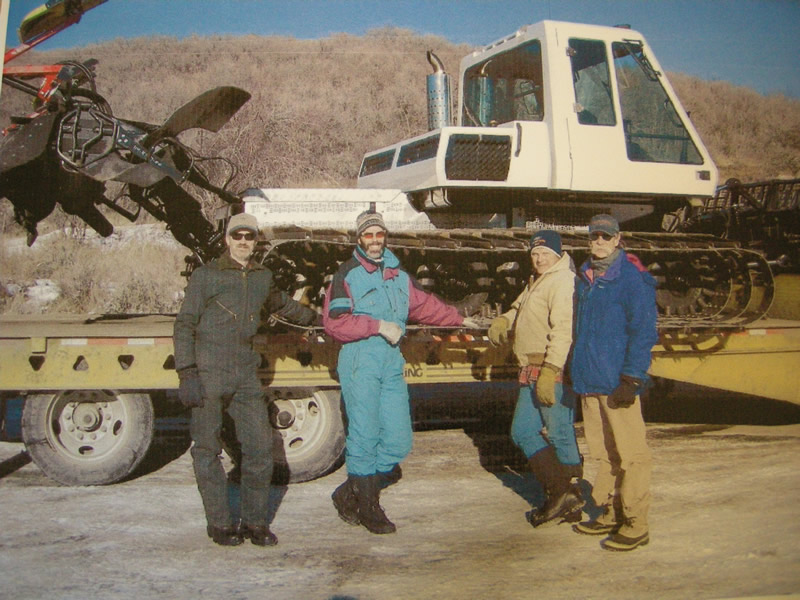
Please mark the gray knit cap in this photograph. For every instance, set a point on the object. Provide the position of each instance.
(242, 221)
(368, 218)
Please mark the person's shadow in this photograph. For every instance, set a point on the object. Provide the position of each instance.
(489, 431)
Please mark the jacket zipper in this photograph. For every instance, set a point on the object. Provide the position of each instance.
(226, 309)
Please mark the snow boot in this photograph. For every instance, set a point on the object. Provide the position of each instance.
(562, 498)
(346, 503)
(387, 478)
(370, 513)
(603, 524)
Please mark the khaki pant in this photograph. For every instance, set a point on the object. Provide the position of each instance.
(618, 448)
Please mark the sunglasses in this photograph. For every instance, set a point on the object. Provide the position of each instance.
(238, 235)
(596, 235)
(378, 236)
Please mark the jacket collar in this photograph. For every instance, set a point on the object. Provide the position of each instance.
(390, 261)
(611, 273)
(226, 262)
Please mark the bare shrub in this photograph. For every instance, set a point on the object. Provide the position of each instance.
(131, 278)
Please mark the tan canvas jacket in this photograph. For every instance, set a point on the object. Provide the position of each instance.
(541, 316)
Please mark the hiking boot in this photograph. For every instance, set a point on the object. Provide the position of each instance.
(225, 536)
(260, 535)
(594, 527)
(557, 508)
(623, 543)
(346, 503)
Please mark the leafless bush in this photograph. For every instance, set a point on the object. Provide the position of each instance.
(131, 278)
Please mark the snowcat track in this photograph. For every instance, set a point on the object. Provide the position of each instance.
(703, 282)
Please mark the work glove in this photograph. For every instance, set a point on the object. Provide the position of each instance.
(391, 331)
(625, 393)
(190, 392)
(498, 331)
(546, 384)
(470, 323)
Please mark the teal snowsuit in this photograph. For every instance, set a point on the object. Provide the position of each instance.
(370, 370)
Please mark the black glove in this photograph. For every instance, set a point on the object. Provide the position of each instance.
(190, 392)
(625, 393)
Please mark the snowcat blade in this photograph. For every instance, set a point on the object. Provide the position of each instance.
(210, 111)
(26, 143)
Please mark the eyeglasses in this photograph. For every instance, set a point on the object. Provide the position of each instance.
(596, 235)
(249, 236)
(378, 235)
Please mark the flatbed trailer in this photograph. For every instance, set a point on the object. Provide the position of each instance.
(92, 385)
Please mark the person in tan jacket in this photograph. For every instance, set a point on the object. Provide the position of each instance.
(541, 319)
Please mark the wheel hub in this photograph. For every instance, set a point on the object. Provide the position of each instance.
(86, 424)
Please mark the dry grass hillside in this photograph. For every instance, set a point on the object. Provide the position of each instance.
(318, 105)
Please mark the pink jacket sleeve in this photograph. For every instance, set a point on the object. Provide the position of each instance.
(348, 327)
(427, 309)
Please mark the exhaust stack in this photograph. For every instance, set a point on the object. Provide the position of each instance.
(439, 105)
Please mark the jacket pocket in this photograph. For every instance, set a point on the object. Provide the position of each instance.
(366, 301)
(217, 315)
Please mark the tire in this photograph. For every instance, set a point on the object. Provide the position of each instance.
(308, 435)
(87, 437)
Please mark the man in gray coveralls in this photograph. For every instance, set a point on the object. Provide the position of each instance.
(217, 367)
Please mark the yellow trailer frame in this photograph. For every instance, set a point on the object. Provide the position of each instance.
(136, 353)
(762, 359)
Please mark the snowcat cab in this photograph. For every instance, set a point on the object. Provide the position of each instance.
(558, 121)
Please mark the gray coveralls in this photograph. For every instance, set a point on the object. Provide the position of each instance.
(213, 330)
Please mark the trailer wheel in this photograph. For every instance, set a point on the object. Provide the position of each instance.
(87, 437)
(309, 435)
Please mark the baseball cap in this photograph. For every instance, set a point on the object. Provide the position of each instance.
(604, 223)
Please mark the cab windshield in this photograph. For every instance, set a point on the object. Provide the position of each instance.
(506, 87)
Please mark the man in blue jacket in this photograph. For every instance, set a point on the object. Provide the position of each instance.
(366, 308)
(615, 332)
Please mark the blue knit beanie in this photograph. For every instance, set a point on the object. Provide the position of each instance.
(547, 238)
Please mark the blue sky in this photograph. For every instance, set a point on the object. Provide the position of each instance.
(754, 43)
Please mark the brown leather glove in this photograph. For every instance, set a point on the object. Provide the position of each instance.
(498, 331)
(546, 384)
(625, 393)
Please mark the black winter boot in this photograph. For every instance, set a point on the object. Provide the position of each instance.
(387, 478)
(370, 513)
(346, 503)
(228, 535)
(561, 497)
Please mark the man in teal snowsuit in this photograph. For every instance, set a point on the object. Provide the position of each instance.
(367, 307)
(217, 366)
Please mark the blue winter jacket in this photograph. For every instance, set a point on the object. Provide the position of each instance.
(615, 325)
